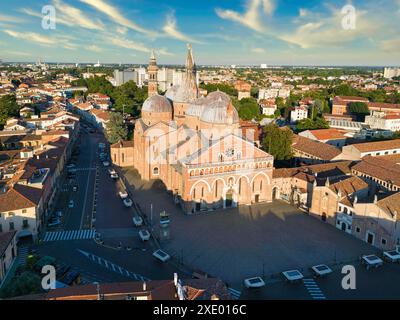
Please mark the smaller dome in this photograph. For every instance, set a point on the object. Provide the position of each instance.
(216, 95)
(157, 103)
(196, 108)
(220, 112)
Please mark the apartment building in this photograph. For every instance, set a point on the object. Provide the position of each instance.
(8, 253)
(378, 148)
(333, 137)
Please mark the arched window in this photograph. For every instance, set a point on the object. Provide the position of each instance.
(156, 171)
(261, 185)
(202, 192)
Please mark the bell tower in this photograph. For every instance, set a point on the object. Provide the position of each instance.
(152, 71)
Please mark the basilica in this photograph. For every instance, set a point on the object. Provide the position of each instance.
(195, 145)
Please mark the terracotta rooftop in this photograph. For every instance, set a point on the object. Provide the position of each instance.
(5, 240)
(19, 197)
(380, 168)
(327, 134)
(391, 204)
(349, 185)
(123, 144)
(378, 145)
(381, 105)
(317, 149)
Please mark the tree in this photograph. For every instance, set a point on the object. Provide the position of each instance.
(8, 109)
(248, 108)
(129, 98)
(228, 89)
(25, 284)
(278, 142)
(360, 109)
(116, 128)
(309, 124)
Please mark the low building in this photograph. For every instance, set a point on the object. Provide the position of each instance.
(383, 121)
(387, 108)
(298, 113)
(337, 196)
(268, 107)
(379, 171)
(122, 153)
(379, 148)
(377, 222)
(340, 104)
(244, 89)
(8, 252)
(307, 151)
(333, 137)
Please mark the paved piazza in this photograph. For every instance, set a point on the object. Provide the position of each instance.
(247, 241)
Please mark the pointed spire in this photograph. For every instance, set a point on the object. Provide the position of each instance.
(153, 55)
(190, 65)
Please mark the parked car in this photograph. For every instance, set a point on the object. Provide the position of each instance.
(71, 204)
(161, 255)
(137, 221)
(71, 166)
(111, 171)
(255, 282)
(114, 176)
(321, 270)
(392, 256)
(128, 202)
(74, 188)
(293, 275)
(106, 164)
(123, 195)
(71, 277)
(144, 235)
(371, 261)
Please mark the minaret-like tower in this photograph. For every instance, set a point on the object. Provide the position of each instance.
(152, 71)
(191, 69)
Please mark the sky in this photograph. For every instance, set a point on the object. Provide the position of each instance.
(274, 32)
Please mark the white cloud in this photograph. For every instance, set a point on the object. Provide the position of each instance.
(258, 50)
(122, 30)
(171, 30)
(31, 36)
(94, 48)
(391, 45)
(128, 44)
(76, 17)
(327, 31)
(164, 52)
(303, 12)
(116, 15)
(251, 18)
(10, 19)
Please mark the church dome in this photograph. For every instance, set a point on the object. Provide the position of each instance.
(220, 111)
(157, 104)
(182, 93)
(216, 95)
(196, 108)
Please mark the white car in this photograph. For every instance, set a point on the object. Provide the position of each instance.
(144, 235)
(161, 255)
(321, 270)
(128, 202)
(111, 171)
(123, 195)
(71, 166)
(372, 261)
(137, 221)
(293, 275)
(392, 256)
(106, 164)
(255, 282)
(71, 204)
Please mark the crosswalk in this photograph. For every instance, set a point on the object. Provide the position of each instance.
(113, 267)
(69, 235)
(235, 294)
(313, 289)
(22, 255)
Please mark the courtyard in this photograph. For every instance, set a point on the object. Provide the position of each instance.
(258, 240)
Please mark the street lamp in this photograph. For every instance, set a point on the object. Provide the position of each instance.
(98, 290)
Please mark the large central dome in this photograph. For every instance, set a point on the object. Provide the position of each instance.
(219, 110)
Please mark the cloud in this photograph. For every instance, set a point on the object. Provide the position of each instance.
(171, 30)
(164, 52)
(327, 31)
(122, 30)
(258, 50)
(128, 44)
(391, 45)
(31, 36)
(251, 18)
(94, 48)
(114, 14)
(76, 17)
(10, 19)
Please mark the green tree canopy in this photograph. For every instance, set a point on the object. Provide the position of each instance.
(129, 97)
(309, 124)
(248, 108)
(25, 284)
(358, 108)
(116, 128)
(228, 89)
(278, 142)
(8, 109)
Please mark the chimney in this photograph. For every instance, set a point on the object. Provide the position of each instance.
(327, 184)
(375, 198)
(144, 286)
(175, 279)
(355, 199)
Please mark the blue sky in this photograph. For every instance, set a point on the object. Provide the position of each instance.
(222, 31)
